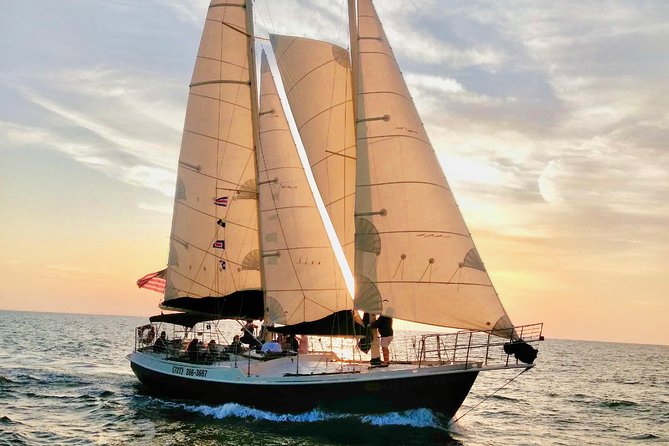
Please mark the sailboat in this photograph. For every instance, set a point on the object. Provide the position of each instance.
(249, 241)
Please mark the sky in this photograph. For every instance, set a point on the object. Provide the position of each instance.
(549, 119)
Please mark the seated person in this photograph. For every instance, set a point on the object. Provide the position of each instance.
(160, 346)
(212, 351)
(236, 346)
(271, 347)
(290, 343)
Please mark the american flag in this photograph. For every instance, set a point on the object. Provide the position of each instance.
(219, 244)
(221, 201)
(153, 281)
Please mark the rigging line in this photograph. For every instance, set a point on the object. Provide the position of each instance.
(450, 279)
(392, 183)
(215, 217)
(316, 68)
(225, 61)
(328, 109)
(217, 179)
(257, 18)
(193, 283)
(271, 20)
(222, 101)
(216, 138)
(484, 399)
(429, 267)
(391, 135)
(440, 282)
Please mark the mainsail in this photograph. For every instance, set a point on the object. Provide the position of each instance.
(415, 259)
(303, 280)
(317, 78)
(214, 250)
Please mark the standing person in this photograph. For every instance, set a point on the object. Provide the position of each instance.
(303, 346)
(193, 350)
(385, 326)
(248, 335)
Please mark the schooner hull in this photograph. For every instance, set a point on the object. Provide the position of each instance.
(377, 392)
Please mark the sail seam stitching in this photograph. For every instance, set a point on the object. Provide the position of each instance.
(203, 96)
(218, 139)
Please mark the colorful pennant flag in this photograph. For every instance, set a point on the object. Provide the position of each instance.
(220, 244)
(154, 281)
(221, 201)
(221, 223)
(222, 262)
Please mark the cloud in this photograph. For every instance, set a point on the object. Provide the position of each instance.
(187, 10)
(115, 122)
(161, 209)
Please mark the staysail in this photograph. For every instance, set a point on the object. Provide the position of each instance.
(317, 78)
(415, 259)
(214, 250)
(303, 280)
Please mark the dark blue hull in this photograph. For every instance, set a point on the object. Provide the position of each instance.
(442, 393)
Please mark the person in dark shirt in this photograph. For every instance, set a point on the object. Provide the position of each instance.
(193, 350)
(291, 343)
(160, 346)
(248, 337)
(236, 346)
(212, 353)
(385, 326)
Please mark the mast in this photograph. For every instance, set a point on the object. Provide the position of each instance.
(353, 38)
(355, 79)
(253, 83)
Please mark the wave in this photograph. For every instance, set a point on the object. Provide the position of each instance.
(644, 437)
(413, 418)
(6, 420)
(503, 398)
(618, 403)
(420, 418)
(4, 380)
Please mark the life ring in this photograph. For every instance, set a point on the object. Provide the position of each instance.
(146, 334)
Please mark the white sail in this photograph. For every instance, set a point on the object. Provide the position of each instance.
(317, 78)
(214, 241)
(415, 259)
(303, 280)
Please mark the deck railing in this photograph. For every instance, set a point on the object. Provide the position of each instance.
(466, 348)
(474, 348)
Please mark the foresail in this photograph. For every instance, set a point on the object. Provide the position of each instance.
(303, 280)
(317, 78)
(415, 259)
(214, 241)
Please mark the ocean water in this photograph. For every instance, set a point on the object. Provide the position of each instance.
(65, 380)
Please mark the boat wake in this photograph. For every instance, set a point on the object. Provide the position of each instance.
(419, 418)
